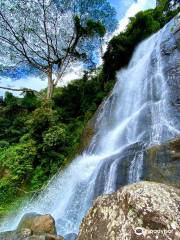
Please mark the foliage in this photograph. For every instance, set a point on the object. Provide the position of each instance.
(167, 5)
(141, 26)
(18, 159)
(3, 144)
(42, 118)
(38, 136)
(55, 137)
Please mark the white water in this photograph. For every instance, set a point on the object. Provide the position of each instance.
(137, 111)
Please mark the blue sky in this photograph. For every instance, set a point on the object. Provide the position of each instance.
(121, 6)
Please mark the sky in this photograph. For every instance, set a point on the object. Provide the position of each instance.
(131, 10)
(124, 8)
(121, 6)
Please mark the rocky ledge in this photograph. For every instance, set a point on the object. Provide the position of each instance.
(33, 227)
(141, 211)
(162, 163)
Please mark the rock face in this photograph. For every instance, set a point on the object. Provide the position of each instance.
(162, 163)
(38, 223)
(87, 134)
(140, 211)
(176, 32)
(89, 130)
(33, 227)
(16, 235)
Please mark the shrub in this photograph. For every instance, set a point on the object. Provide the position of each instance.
(55, 137)
(19, 160)
(41, 120)
(4, 144)
(121, 47)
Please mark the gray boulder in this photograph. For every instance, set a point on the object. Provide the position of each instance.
(141, 211)
(33, 226)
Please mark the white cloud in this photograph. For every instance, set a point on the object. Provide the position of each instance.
(134, 8)
(74, 72)
(33, 82)
(36, 83)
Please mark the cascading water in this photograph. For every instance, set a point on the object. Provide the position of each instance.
(137, 114)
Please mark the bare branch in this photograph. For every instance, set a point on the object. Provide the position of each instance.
(43, 35)
(23, 50)
(45, 29)
(21, 90)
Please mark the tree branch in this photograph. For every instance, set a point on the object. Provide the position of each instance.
(23, 50)
(45, 29)
(20, 90)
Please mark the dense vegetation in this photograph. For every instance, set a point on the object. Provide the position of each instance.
(40, 136)
(141, 26)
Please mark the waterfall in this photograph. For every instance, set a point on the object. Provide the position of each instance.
(137, 114)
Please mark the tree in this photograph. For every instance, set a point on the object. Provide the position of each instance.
(168, 5)
(49, 35)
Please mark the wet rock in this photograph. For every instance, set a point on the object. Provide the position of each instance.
(141, 211)
(7, 236)
(162, 163)
(70, 236)
(176, 30)
(33, 226)
(38, 223)
(16, 235)
(177, 102)
(87, 135)
(27, 234)
(121, 172)
(45, 237)
(91, 127)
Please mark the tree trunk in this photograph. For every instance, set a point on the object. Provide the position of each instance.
(50, 88)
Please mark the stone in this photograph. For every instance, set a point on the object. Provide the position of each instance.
(27, 234)
(38, 223)
(87, 134)
(141, 211)
(176, 30)
(162, 163)
(16, 235)
(33, 226)
(8, 235)
(45, 237)
(90, 128)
